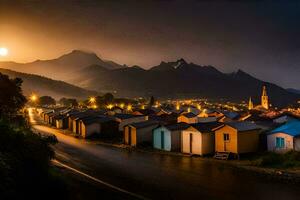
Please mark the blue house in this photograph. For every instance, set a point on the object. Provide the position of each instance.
(285, 138)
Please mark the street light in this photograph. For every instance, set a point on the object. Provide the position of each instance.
(92, 100)
(33, 98)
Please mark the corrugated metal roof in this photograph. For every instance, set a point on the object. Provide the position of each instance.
(243, 126)
(291, 128)
(178, 126)
(189, 115)
(206, 126)
(144, 124)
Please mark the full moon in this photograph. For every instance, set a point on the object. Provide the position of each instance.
(3, 51)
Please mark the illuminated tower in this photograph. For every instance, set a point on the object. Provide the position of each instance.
(265, 99)
(250, 106)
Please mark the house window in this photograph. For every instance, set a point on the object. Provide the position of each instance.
(226, 137)
(280, 143)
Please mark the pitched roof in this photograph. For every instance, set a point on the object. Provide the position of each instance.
(231, 115)
(125, 116)
(291, 128)
(178, 126)
(96, 119)
(206, 126)
(189, 115)
(243, 126)
(144, 124)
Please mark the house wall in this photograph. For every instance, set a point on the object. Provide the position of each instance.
(271, 142)
(126, 135)
(176, 140)
(74, 126)
(89, 130)
(157, 138)
(70, 124)
(59, 123)
(145, 134)
(248, 141)
(229, 146)
(196, 142)
(297, 143)
(208, 143)
(182, 118)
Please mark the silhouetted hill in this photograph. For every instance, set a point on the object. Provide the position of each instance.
(61, 67)
(180, 79)
(293, 90)
(45, 86)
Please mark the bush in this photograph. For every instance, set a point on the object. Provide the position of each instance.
(271, 159)
(25, 164)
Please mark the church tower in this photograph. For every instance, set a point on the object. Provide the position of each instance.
(264, 98)
(250, 105)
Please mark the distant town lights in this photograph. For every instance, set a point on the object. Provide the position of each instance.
(92, 100)
(110, 106)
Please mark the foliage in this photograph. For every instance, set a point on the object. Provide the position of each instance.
(25, 163)
(286, 160)
(68, 102)
(108, 98)
(11, 97)
(46, 100)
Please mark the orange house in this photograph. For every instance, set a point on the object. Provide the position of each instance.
(237, 137)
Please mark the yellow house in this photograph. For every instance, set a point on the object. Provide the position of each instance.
(237, 137)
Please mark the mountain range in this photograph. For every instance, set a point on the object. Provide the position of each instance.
(176, 79)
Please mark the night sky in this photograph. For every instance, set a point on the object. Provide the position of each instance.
(259, 37)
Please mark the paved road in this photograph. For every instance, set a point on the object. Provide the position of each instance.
(156, 176)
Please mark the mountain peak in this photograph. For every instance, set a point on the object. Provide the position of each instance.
(81, 53)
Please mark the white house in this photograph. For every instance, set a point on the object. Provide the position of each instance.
(168, 137)
(199, 139)
(285, 137)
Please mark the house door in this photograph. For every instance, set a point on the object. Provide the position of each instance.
(226, 139)
(191, 143)
(129, 135)
(162, 139)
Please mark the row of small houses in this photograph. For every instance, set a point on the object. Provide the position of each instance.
(185, 132)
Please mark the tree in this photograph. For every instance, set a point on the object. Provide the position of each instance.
(68, 102)
(108, 98)
(46, 100)
(152, 101)
(11, 97)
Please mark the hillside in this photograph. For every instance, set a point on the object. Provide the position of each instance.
(45, 86)
(61, 67)
(179, 79)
